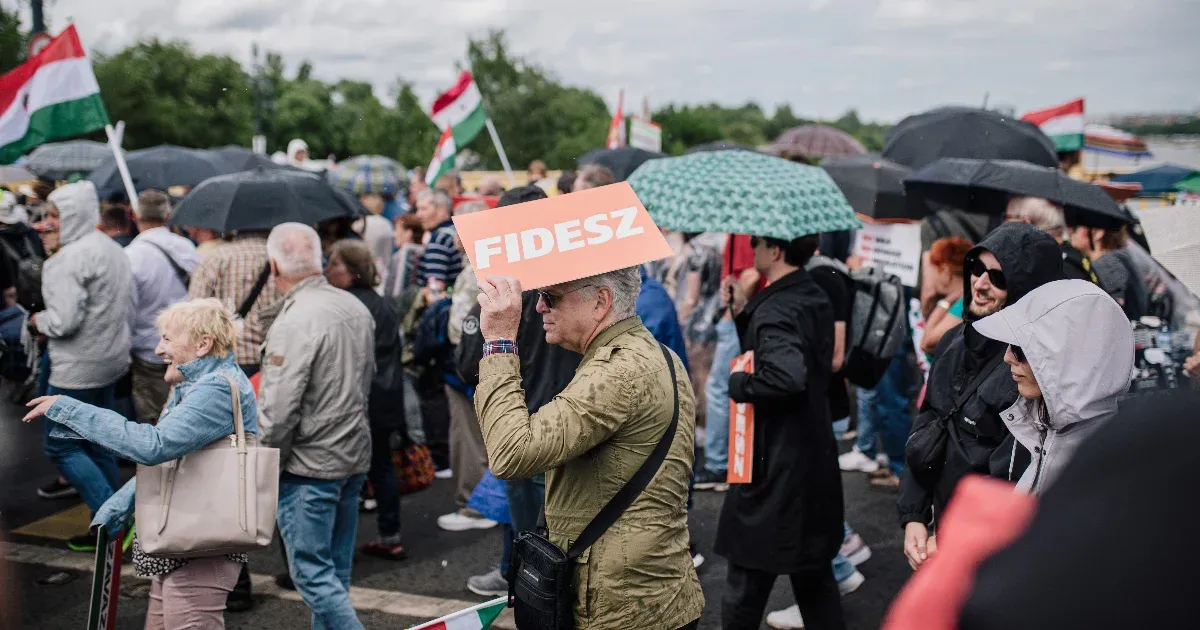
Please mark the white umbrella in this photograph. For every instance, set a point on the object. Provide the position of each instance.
(1174, 236)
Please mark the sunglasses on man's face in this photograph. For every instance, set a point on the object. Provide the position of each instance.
(995, 276)
(552, 300)
(1019, 354)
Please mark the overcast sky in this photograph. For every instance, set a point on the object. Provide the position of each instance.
(887, 58)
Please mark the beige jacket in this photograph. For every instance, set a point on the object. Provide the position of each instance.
(317, 366)
(589, 441)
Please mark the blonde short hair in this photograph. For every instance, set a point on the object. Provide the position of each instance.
(199, 318)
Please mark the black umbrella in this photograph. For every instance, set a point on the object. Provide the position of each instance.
(260, 200)
(60, 160)
(721, 145)
(243, 159)
(985, 186)
(873, 186)
(160, 168)
(622, 162)
(961, 132)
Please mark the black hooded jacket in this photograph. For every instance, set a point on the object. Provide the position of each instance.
(978, 441)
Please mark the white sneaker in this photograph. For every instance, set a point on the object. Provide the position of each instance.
(459, 522)
(851, 584)
(882, 460)
(444, 473)
(855, 550)
(856, 461)
(786, 619)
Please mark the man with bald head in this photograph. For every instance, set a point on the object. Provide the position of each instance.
(317, 369)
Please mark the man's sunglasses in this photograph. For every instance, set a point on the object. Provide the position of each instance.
(1019, 353)
(995, 276)
(552, 300)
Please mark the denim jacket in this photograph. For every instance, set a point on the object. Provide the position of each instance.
(198, 413)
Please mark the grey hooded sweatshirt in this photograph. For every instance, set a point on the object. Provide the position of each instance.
(85, 286)
(1080, 347)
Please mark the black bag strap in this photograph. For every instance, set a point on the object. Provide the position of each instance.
(976, 382)
(180, 272)
(626, 495)
(259, 284)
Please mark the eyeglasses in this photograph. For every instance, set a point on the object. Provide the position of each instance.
(552, 300)
(995, 276)
(1018, 353)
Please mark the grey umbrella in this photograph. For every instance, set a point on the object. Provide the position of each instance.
(60, 160)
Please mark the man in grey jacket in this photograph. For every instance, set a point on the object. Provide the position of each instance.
(318, 363)
(85, 287)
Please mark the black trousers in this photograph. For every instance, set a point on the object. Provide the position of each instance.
(747, 591)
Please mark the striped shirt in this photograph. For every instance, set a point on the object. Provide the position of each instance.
(228, 273)
(440, 261)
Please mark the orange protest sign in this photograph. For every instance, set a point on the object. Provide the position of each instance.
(563, 238)
(741, 429)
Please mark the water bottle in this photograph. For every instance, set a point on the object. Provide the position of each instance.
(1163, 339)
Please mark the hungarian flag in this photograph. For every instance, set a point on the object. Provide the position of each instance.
(53, 95)
(459, 113)
(1063, 123)
(474, 618)
(616, 128)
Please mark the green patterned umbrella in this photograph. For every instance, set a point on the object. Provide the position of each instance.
(740, 192)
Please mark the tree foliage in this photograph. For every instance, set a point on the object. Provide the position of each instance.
(168, 93)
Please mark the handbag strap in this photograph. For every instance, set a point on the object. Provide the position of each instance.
(976, 382)
(180, 272)
(238, 426)
(627, 494)
(259, 284)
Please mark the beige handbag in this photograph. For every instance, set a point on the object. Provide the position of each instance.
(218, 500)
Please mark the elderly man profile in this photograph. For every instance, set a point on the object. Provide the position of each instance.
(591, 438)
(318, 366)
(1049, 218)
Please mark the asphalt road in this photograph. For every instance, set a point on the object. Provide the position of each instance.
(437, 567)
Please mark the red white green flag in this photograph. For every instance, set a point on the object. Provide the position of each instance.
(53, 95)
(478, 617)
(460, 114)
(1062, 123)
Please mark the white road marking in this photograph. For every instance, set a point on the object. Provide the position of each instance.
(389, 602)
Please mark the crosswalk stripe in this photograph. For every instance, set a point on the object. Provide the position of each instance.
(388, 602)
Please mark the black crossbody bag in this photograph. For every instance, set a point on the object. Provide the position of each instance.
(540, 585)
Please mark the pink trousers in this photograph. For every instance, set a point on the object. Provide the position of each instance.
(192, 596)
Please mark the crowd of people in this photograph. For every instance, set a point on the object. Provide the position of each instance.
(373, 342)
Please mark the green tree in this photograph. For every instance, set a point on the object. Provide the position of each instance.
(415, 135)
(12, 40)
(167, 94)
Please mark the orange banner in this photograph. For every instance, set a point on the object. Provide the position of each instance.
(741, 429)
(563, 238)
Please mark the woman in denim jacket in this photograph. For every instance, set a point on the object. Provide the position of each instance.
(197, 343)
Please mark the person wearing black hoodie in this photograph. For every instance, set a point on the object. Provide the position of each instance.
(969, 387)
(546, 370)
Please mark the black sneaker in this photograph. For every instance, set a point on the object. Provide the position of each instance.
(57, 489)
(83, 543)
(709, 480)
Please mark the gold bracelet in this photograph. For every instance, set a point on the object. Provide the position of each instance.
(944, 305)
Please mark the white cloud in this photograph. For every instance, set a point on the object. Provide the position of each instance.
(886, 58)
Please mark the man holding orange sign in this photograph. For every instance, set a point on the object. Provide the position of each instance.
(793, 483)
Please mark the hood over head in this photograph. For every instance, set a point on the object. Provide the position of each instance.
(78, 210)
(295, 146)
(1028, 257)
(1078, 342)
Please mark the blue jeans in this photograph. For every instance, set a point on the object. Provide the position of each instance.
(318, 519)
(525, 500)
(842, 568)
(883, 412)
(89, 467)
(716, 390)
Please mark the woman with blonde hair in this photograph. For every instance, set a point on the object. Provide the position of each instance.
(197, 344)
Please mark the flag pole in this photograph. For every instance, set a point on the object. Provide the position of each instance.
(512, 181)
(114, 143)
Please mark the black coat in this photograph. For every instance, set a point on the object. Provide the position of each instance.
(978, 440)
(1076, 266)
(385, 409)
(545, 369)
(789, 517)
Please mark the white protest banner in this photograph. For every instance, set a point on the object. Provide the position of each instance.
(892, 247)
(645, 135)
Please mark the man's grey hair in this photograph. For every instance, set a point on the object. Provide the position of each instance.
(440, 199)
(296, 250)
(1042, 213)
(593, 176)
(624, 284)
(469, 207)
(154, 206)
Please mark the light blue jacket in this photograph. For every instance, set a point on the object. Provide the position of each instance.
(199, 412)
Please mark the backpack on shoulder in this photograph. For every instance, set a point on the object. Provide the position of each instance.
(877, 323)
